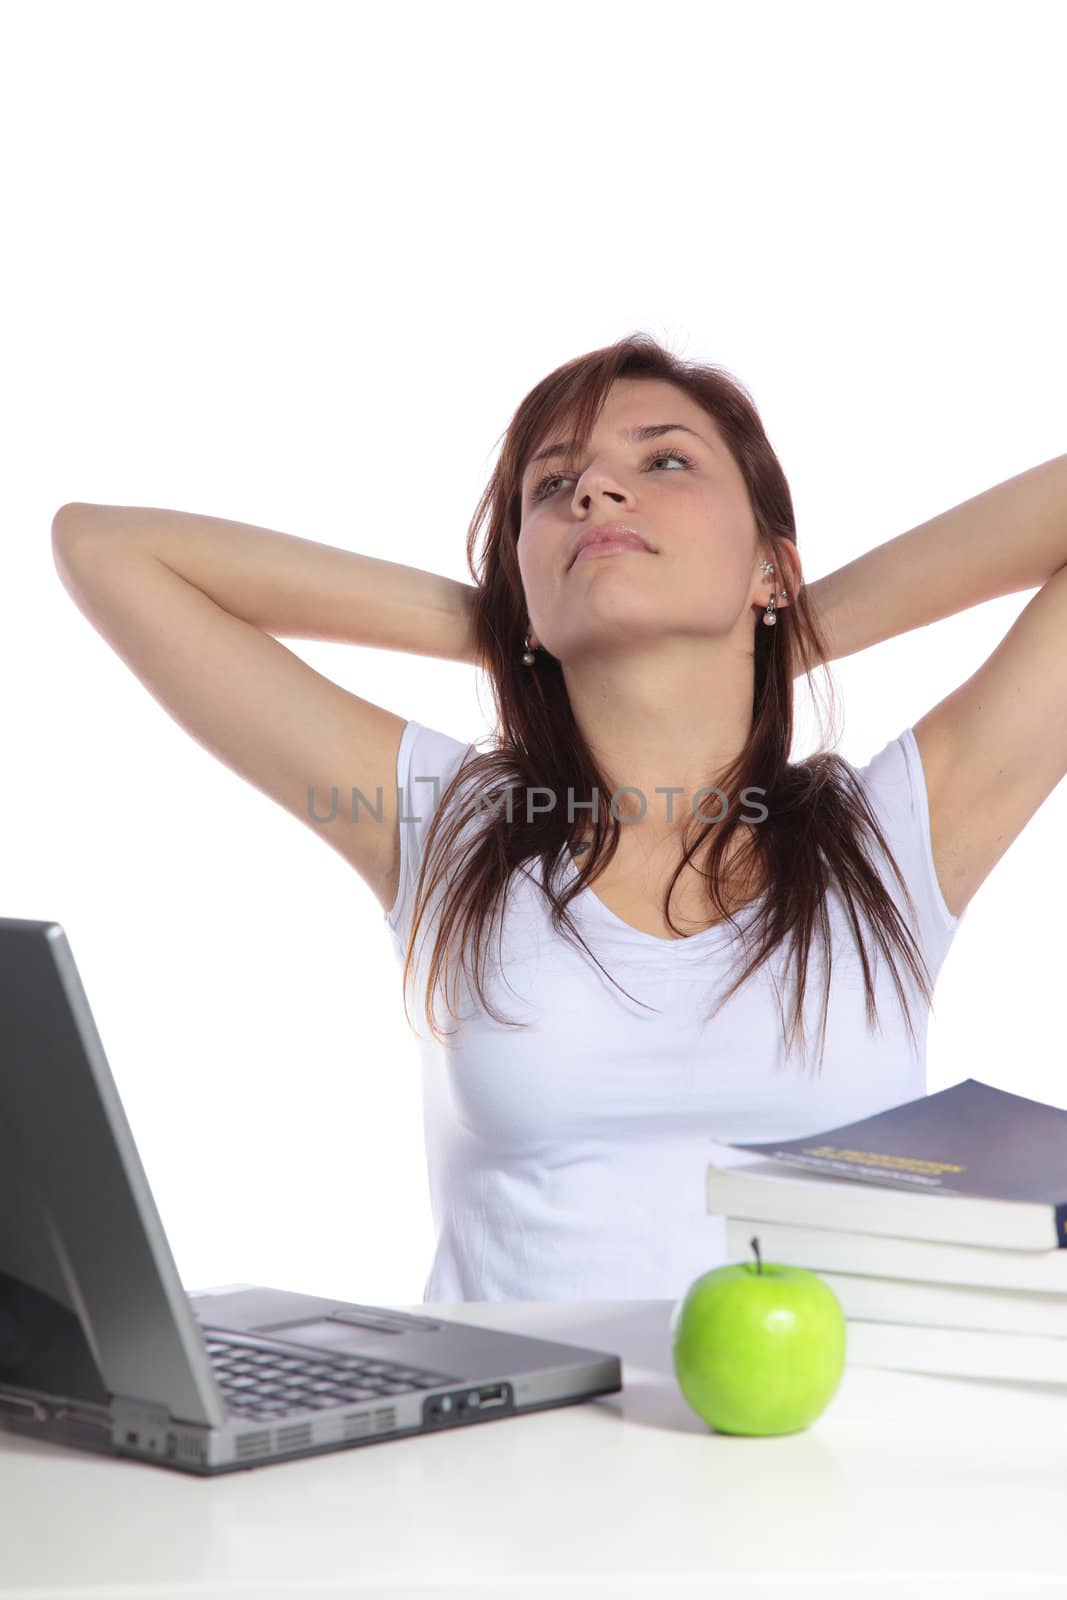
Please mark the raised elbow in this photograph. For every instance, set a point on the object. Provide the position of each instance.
(67, 512)
(70, 518)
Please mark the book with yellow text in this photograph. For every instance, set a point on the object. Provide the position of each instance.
(971, 1165)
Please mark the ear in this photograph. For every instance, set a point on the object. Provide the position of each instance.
(791, 579)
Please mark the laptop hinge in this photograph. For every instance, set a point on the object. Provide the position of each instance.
(140, 1424)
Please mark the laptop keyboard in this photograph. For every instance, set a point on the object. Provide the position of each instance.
(272, 1383)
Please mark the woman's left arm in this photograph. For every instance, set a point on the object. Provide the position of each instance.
(1010, 538)
(995, 748)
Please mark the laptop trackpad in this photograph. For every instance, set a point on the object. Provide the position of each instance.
(330, 1333)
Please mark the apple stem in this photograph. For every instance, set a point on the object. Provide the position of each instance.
(754, 1242)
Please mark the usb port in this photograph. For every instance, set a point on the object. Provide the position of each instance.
(493, 1397)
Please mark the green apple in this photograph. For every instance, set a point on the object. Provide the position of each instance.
(758, 1348)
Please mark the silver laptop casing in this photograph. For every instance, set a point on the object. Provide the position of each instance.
(102, 1348)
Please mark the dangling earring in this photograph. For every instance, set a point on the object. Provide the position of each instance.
(528, 658)
(769, 616)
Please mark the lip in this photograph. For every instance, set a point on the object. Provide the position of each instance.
(612, 535)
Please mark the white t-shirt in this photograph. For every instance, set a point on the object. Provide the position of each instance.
(567, 1159)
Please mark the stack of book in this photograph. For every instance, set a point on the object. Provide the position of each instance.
(940, 1225)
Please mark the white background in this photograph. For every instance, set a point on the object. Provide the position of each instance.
(296, 264)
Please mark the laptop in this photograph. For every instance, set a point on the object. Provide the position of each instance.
(101, 1347)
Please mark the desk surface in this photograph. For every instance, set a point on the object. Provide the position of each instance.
(912, 1484)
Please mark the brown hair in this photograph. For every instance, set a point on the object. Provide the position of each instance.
(816, 811)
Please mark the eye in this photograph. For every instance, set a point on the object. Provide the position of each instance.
(541, 491)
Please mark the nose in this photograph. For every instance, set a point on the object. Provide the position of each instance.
(596, 483)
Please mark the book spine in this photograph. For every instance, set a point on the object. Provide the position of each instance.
(956, 1352)
(874, 1255)
(874, 1299)
(943, 1216)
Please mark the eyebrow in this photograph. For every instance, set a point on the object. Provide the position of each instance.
(651, 430)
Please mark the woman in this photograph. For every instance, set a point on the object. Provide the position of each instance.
(636, 834)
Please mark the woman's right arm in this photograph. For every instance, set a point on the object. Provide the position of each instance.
(192, 604)
(289, 587)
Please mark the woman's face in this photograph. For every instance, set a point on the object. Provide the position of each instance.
(682, 491)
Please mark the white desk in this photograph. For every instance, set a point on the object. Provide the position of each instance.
(910, 1485)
